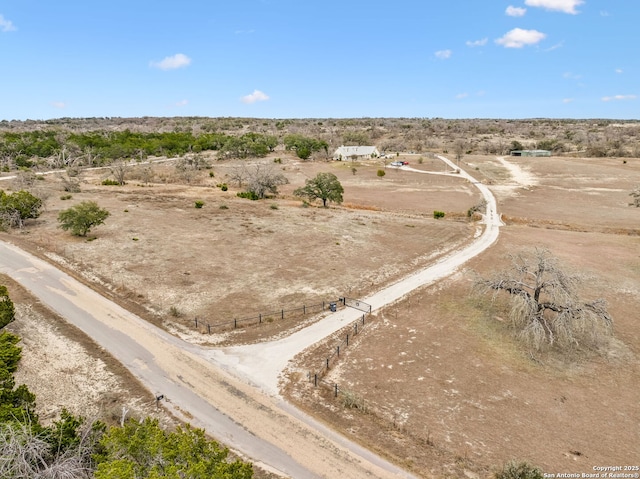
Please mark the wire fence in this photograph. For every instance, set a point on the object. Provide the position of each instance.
(205, 326)
(352, 331)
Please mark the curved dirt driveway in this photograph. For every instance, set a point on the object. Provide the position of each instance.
(261, 364)
(263, 427)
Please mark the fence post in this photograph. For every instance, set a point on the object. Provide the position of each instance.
(347, 339)
(338, 351)
(315, 379)
(323, 306)
(209, 328)
(282, 314)
(336, 390)
(356, 325)
(260, 318)
(304, 309)
(196, 320)
(235, 323)
(327, 363)
(363, 319)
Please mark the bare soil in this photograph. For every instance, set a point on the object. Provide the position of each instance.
(441, 386)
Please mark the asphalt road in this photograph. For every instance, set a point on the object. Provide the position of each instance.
(232, 392)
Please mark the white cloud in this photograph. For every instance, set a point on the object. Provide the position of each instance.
(567, 100)
(619, 70)
(618, 97)
(179, 60)
(515, 11)
(6, 25)
(571, 76)
(518, 38)
(182, 103)
(460, 96)
(257, 95)
(58, 104)
(443, 54)
(566, 6)
(477, 43)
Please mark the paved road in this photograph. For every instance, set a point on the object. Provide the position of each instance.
(262, 426)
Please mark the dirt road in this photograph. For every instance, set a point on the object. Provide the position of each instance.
(261, 426)
(261, 364)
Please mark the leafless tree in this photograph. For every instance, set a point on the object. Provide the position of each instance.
(459, 148)
(545, 307)
(70, 180)
(239, 174)
(119, 171)
(263, 179)
(188, 166)
(24, 180)
(24, 454)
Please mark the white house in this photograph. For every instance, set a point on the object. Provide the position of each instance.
(356, 152)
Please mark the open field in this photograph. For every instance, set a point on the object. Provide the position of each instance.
(446, 389)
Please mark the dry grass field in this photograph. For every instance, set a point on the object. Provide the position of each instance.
(442, 387)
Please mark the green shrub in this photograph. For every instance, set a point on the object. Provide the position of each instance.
(518, 470)
(438, 214)
(274, 206)
(277, 160)
(224, 207)
(81, 218)
(381, 173)
(66, 197)
(109, 182)
(7, 310)
(211, 174)
(199, 204)
(224, 187)
(250, 195)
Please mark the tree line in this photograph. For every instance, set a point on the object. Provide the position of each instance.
(76, 448)
(96, 148)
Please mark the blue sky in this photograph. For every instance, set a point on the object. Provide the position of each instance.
(319, 59)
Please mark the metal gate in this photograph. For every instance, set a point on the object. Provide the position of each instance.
(357, 304)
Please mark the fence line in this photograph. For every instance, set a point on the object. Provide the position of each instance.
(205, 326)
(356, 327)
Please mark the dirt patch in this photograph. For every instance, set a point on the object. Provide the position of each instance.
(440, 386)
(158, 251)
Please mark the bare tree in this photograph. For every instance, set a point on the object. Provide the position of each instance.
(545, 307)
(24, 454)
(239, 174)
(70, 180)
(119, 170)
(459, 148)
(263, 179)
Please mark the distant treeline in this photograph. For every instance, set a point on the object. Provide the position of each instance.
(23, 149)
